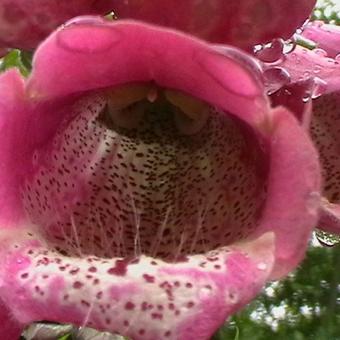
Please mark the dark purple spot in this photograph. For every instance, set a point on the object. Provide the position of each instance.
(120, 268)
(157, 316)
(74, 271)
(129, 305)
(85, 303)
(77, 285)
(149, 278)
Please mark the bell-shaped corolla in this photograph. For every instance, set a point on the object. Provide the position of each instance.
(148, 188)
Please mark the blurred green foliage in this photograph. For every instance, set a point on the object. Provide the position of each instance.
(16, 58)
(305, 306)
(327, 11)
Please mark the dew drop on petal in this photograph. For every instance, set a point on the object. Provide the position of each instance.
(319, 88)
(275, 78)
(320, 52)
(289, 45)
(272, 52)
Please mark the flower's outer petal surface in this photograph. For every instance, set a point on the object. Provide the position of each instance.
(240, 23)
(304, 64)
(92, 54)
(12, 146)
(24, 24)
(292, 219)
(143, 298)
(325, 131)
(326, 36)
(10, 329)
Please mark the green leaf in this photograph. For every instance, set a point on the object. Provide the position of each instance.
(18, 59)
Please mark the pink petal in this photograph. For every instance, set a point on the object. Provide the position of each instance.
(240, 23)
(192, 66)
(24, 24)
(326, 36)
(325, 131)
(52, 124)
(142, 298)
(304, 64)
(10, 328)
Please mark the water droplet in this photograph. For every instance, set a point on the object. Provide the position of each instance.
(319, 88)
(306, 97)
(275, 78)
(327, 239)
(320, 52)
(317, 69)
(306, 74)
(270, 53)
(289, 45)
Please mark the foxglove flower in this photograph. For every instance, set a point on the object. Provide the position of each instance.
(242, 23)
(148, 188)
(314, 96)
(25, 23)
